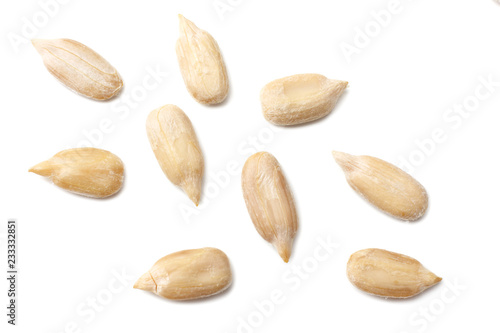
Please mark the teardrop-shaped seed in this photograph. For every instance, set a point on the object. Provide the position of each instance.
(188, 274)
(79, 68)
(270, 202)
(89, 172)
(388, 274)
(384, 185)
(201, 64)
(176, 148)
(300, 98)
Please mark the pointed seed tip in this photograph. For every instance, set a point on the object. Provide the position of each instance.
(193, 193)
(195, 199)
(336, 154)
(136, 284)
(36, 42)
(284, 251)
(285, 257)
(44, 169)
(144, 282)
(344, 160)
(340, 156)
(34, 169)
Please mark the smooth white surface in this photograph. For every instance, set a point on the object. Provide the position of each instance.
(428, 58)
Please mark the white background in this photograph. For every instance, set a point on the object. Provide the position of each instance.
(430, 57)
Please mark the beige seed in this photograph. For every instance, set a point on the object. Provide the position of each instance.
(300, 98)
(388, 274)
(90, 172)
(188, 274)
(201, 64)
(176, 148)
(384, 185)
(270, 202)
(79, 68)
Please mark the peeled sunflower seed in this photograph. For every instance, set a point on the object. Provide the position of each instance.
(201, 64)
(270, 202)
(79, 68)
(388, 274)
(188, 274)
(384, 185)
(90, 172)
(176, 148)
(300, 98)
